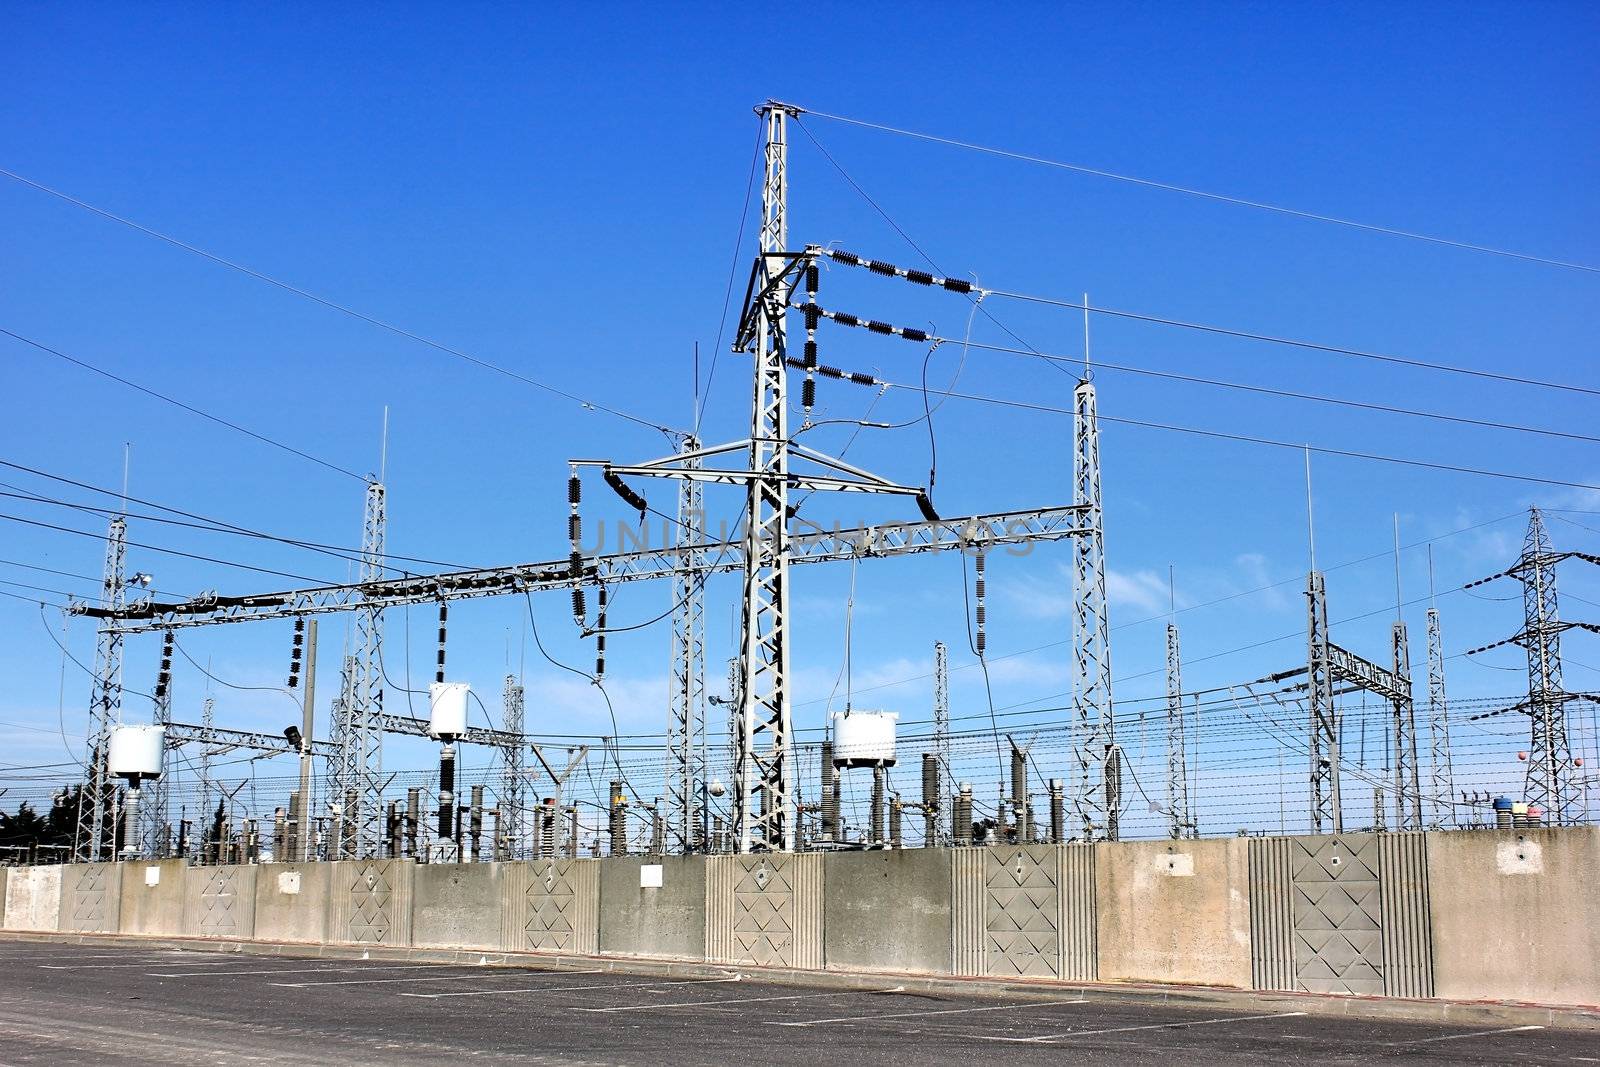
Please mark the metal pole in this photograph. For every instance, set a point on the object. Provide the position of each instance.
(308, 715)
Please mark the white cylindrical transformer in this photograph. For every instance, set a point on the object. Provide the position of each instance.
(137, 752)
(864, 738)
(447, 709)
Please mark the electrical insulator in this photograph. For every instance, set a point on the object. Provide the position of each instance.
(600, 636)
(444, 615)
(296, 651)
(578, 611)
(982, 640)
(164, 676)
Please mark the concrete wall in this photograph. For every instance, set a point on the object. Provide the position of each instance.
(1516, 914)
(153, 897)
(33, 898)
(220, 901)
(887, 911)
(91, 898)
(1502, 915)
(292, 902)
(1174, 911)
(669, 921)
(457, 905)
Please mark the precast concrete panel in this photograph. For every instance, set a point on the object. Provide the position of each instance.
(1405, 915)
(220, 901)
(765, 909)
(292, 902)
(1271, 913)
(91, 898)
(559, 906)
(33, 898)
(371, 902)
(887, 910)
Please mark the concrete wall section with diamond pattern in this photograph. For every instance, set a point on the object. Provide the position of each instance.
(765, 910)
(1024, 911)
(220, 901)
(91, 898)
(370, 902)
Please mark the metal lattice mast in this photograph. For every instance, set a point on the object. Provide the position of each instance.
(941, 731)
(1407, 777)
(1326, 810)
(1444, 779)
(208, 722)
(366, 713)
(763, 800)
(95, 831)
(1548, 753)
(514, 784)
(1177, 751)
(1091, 638)
(685, 755)
(341, 768)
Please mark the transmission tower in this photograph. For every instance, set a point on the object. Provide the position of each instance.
(1407, 778)
(1549, 755)
(208, 722)
(685, 754)
(364, 758)
(514, 783)
(941, 732)
(95, 832)
(1091, 636)
(1182, 817)
(1326, 806)
(1444, 780)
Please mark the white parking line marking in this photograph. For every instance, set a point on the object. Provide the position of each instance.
(332, 966)
(125, 966)
(931, 1011)
(1460, 1037)
(717, 1003)
(569, 988)
(1044, 1039)
(495, 973)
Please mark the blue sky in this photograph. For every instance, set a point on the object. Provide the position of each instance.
(558, 191)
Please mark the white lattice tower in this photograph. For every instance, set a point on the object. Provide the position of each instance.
(763, 798)
(1095, 730)
(1549, 755)
(1327, 814)
(1407, 775)
(366, 713)
(1440, 764)
(1182, 820)
(514, 782)
(941, 732)
(95, 831)
(686, 704)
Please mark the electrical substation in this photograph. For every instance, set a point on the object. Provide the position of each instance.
(1337, 869)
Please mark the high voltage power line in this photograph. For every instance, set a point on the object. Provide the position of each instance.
(1237, 201)
(334, 305)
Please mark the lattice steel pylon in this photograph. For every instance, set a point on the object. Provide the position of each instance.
(763, 796)
(1549, 755)
(1091, 627)
(341, 768)
(95, 832)
(367, 715)
(941, 733)
(208, 721)
(1440, 764)
(1181, 818)
(514, 781)
(1327, 809)
(1407, 776)
(686, 768)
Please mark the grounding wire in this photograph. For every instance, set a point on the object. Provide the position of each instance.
(1203, 194)
(333, 305)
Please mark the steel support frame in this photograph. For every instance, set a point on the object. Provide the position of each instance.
(686, 768)
(1549, 754)
(941, 737)
(514, 778)
(1094, 725)
(96, 833)
(1181, 819)
(1440, 762)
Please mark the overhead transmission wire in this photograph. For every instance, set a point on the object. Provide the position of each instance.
(1237, 201)
(733, 270)
(165, 398)
(332, 305)
(217, 525)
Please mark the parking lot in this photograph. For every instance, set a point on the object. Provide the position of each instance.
(67, 1004)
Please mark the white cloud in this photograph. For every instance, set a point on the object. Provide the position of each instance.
(1145, 590)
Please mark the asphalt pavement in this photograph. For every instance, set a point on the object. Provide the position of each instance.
(129, 1004)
